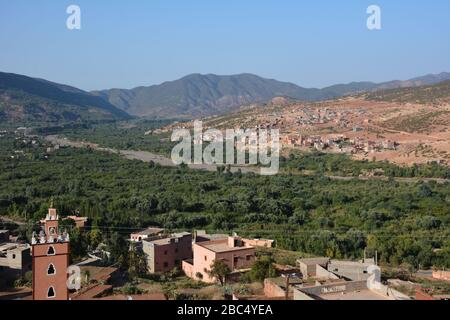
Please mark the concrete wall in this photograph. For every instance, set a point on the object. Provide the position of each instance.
(188, 269)
(272, 290)
(335, 287)
(307, 270)
(298, 295)
(308, 266)
(258, 243)
(390, 293)
(352, 270)
(324, 273)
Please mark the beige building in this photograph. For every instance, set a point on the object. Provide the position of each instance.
(148, 233)
(15, 259)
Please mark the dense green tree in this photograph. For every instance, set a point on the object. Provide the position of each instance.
(219, 270)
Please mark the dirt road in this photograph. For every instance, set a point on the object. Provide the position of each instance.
(141, 155)
(166, 162)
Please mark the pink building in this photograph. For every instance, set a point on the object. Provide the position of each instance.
(232, 250)
(165, 254)
(80, 222)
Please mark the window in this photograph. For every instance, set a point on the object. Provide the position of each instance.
(165, 252)
(51, 292)
(206, 258)
(176, 250)
(199, 275)
(248, 257)
(51, 251)
(236, 260)
(51, 269)
(177, 262)
(14, 256)
(166, 264)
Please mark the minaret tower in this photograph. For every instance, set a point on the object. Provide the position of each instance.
(50, 254)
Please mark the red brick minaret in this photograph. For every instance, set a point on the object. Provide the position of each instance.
(50, 253)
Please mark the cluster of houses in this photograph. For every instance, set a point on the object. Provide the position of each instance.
(24, 137)
(328, 279)
(249, 140)
(16, 256)
(337, 143)
(195, 252)
(309, 117)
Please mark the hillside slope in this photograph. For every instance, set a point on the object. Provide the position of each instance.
(202, 95)
(29, 100)
(199, 95)
(433, 94)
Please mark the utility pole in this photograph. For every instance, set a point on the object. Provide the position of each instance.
(288, 277)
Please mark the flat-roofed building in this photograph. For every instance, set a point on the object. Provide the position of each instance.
(347, 290)
(232, 251)
(308, 266)
(164, 254)
(202, 235)
(148, 233)
(80, 222)
(15, 259)
(351, 270)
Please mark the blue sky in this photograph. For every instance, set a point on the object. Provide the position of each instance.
(125, 44)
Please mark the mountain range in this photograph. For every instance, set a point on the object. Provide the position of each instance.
(199, 95)
(31, 100)
(438, 93)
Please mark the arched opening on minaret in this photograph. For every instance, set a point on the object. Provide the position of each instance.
(51, 269)
(51, 292)
(51, 251)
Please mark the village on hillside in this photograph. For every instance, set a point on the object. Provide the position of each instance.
(401, 133)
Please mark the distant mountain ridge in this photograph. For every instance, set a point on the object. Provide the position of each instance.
(437, 93)
(25, 99)
(199, 95)
(30, 100)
